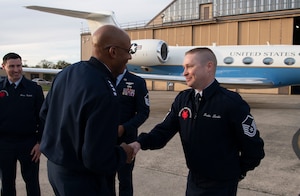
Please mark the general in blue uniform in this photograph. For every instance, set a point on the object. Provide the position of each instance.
(81, 114)
(79, 134)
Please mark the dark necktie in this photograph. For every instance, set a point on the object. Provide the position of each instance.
(13, 85)
(197, 100)
(12, 89)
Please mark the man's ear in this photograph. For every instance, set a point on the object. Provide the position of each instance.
(112, 52)
(210, 65)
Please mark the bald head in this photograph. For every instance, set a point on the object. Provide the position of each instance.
(111, 46)
(109, 35)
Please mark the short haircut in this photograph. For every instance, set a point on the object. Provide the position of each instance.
(206, 54)
(11, 55)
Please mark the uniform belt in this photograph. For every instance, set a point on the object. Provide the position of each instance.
(205, 182)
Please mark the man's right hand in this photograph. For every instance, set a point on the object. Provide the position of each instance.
(136, 147)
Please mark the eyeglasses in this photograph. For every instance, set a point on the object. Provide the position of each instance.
(131, 50)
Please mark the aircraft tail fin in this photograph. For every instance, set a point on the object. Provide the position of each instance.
(94, 19)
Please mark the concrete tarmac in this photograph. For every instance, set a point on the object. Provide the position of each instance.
(163, 172)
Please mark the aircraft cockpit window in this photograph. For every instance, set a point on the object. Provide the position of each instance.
(228, 60)
(289, 61)
(248, 60)
(268, 61)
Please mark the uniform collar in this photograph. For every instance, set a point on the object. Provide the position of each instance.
(99, 65)
(8, 82)
(17, 82)
(210, 90)
(119, 78)
(196, 92)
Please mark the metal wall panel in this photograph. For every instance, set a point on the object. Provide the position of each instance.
(141, 34)
(287, 31)
(201, 35)
(253, 33)
(228, 34)
(220, 34)
(243, 33)
(86, 46)
(273, 31)
(276, 31)
(183, 36)
(264, 32)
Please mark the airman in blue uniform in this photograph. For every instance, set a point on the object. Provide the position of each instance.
(133, 98)
(219, 136)
(20, 127)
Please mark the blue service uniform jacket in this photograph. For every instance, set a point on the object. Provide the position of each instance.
(81, 120)
(220, 139)
(19, 116)
(134, 105)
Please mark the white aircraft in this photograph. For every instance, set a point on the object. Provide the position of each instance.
(239, 66)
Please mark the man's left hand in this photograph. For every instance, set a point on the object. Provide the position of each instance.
(36, 153)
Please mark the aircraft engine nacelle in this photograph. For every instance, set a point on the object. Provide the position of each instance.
(149, 52)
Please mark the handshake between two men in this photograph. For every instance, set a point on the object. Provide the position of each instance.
(131, 150)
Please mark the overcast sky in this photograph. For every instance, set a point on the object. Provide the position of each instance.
(40, 36)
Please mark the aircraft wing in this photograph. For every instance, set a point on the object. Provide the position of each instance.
(41, 70)
(244, 82)
(229, 82)
(170, 78)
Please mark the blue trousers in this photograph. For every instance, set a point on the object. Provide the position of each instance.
(14, 150)
(69, 182)
(195, 188)
(125, 181)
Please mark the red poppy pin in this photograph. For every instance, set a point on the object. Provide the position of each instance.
(185, 113)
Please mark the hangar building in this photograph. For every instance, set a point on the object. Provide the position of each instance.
(223, 22)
